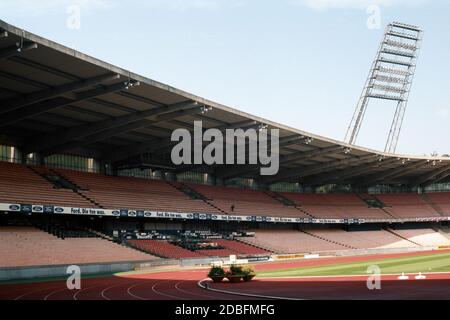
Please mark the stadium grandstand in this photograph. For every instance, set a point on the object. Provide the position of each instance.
(86, 176)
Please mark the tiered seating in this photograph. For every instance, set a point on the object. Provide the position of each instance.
(381, 239)
(240, 248)
(407, 206)
(291, 241)
(336, 206)
(424, 237)
(26, 246)
(164, 249)
(134, 193)
(20, 184)
(246, 202)
(442, 200)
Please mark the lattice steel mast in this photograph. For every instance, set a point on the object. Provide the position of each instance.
(390, 78)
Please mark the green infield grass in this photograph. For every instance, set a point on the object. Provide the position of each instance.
(437, 262)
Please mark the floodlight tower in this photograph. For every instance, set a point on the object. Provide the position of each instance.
(390, 79)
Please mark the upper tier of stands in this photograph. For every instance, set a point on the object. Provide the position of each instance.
(21, 184)
(28, 246)
(246, 202)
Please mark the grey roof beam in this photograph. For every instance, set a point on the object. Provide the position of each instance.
(392, 173)
(344, 175)
(312, 170)
(136, 125)
(45, 106)
(15, 50)
(158, 145)
(57, 140)
(305, 155)
(429, 176)
(14, 104)
(240, 170)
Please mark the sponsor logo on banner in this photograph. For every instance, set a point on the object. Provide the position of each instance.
(124, 213)
(140, 214)
(116, 213)
(38, 209)
(132, 213)
(14, 207)
(59, 210)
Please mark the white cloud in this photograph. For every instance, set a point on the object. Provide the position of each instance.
(354, 4)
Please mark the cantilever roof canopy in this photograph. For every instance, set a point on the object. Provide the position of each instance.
(56, 100)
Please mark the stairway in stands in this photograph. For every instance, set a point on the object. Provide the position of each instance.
(401, 237)
(327, 240)
(430, 202)
(287, 202)
(194, 194)
(271, 250)
(375, 203)
(59, 181)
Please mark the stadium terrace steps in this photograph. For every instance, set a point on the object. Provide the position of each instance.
(246, 202)
(292, 241)
(336, 206)
(195, 195)
(407, 206)
(20, 184)
(435, 206)
(251, 242)
(287, 202)
(328, 240)
(421, 237)
(240, 248)
(138, 194)
(401, 237)
(377, 239)
(28, 246)
(24, 185)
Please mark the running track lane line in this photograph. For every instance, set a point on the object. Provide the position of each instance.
(34, 291)
(194, 294)
(165, 294)
(201, 285)
(103, 293)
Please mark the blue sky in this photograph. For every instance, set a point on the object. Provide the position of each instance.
(302, 63)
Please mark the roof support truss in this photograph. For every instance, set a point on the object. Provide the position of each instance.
(45, 106)
(14, 104)
(15, 50)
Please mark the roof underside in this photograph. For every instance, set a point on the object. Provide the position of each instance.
(55, 100)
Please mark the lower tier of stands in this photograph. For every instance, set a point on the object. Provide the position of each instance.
(295, 241)
(28, 246)
(166, 249)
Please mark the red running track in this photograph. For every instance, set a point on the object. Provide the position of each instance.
(183, 285)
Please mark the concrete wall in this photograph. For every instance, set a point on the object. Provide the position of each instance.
(60, 271)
